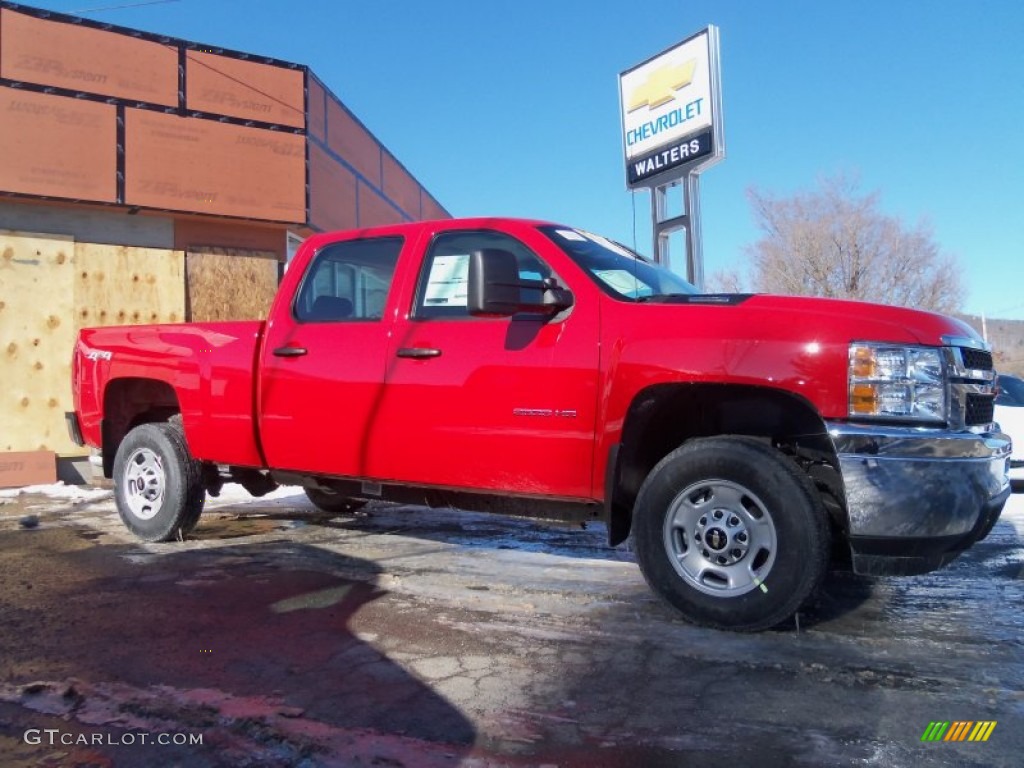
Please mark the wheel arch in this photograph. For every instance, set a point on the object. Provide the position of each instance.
(663, 417)
(129, 402)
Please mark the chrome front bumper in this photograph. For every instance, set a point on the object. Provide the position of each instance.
(916, 497)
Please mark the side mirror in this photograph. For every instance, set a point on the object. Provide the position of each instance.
(495, 287)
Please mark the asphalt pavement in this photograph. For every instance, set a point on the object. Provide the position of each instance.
(277, 635)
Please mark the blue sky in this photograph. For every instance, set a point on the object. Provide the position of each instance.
(511, 107)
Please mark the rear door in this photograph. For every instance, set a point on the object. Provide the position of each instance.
(322, 372)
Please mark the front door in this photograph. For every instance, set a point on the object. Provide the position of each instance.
(487, 403)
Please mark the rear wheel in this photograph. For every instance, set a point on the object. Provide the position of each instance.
(731, 533)
(329, 501)
(157, 484)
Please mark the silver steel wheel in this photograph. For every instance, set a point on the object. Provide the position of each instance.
(720, 538)
(144, 483)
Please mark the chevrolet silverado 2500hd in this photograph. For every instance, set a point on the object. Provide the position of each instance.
(744, 441)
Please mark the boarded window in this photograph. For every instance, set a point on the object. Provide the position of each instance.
(227, 284)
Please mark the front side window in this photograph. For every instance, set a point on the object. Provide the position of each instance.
(348, 281)
(443, 286)
(617, 270)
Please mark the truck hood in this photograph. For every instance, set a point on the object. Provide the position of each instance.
(792, 343)
(846, 321)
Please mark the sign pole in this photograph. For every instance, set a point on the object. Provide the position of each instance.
(694, 241)
(663, 224)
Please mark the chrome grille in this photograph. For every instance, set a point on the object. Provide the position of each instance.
(976, 359)
(979, 409)
(972, 385)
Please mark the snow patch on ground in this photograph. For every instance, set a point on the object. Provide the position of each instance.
(233, 493)
(1013, 513)
(59, 491)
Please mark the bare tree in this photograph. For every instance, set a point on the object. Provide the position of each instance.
(835, 242)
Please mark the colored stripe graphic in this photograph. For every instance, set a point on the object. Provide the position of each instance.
(982, 731)
(959, 730)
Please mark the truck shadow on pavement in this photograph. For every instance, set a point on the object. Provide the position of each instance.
(450, 526)
(257, 646)
(842, 592)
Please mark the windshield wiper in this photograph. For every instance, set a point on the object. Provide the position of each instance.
(661, 297)
(729, 299)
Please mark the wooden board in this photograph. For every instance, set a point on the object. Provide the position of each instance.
(226, 284)
(21, 468)
(120, 285)
(37, 334)
(50, 287)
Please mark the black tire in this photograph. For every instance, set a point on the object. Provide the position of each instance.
(157, 484)
(731, 533)
(334, 503)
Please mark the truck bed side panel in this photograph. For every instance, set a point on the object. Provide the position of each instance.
(208, 365)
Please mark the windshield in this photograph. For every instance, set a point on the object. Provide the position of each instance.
(616, 269)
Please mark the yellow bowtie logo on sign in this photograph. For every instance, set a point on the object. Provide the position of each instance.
(661, 85)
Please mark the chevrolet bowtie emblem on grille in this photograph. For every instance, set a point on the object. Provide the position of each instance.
(661, 85)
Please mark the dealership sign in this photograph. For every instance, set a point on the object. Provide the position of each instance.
(672, 112)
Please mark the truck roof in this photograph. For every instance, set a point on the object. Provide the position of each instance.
(467, 221)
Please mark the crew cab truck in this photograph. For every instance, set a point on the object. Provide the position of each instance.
(743, 441)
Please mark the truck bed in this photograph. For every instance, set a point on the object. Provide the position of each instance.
(208, 366)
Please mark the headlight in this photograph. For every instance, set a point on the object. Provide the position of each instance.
(889, 382)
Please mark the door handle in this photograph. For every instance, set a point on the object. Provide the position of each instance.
(419, 353)
(290, 351)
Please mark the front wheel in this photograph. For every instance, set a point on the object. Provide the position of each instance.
(731, 533)
(158, 486)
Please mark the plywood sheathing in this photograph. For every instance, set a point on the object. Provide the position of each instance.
(37, 331)
(229, 284)
(50, 287)
(121, 285)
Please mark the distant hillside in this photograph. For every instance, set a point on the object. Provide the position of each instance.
(1007, 340)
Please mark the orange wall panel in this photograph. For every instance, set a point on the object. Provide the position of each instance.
(353, 142)
(57, 146)
(83, 59)
(401, 187)
(374, 210)
(332, 192)
(191, 234)
(245, 89)
(316, 124)
(432, 209)
(215, 168)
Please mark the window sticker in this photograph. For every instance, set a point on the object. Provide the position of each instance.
(448, 281)
(624, 282)
(568, 234)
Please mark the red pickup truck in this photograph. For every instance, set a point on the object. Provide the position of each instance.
(745, 441)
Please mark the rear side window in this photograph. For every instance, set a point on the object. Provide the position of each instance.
(348, 281)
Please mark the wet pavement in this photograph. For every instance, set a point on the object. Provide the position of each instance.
(282, 636)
